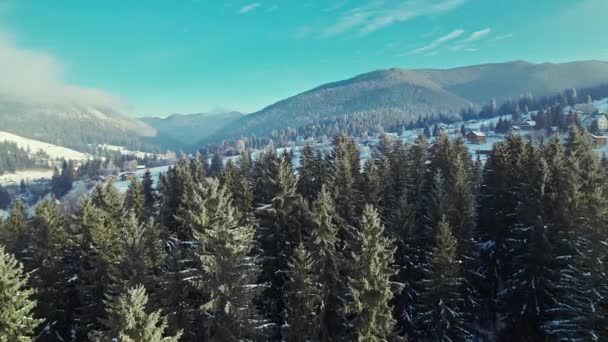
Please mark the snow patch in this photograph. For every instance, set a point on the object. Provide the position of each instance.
(54, 151)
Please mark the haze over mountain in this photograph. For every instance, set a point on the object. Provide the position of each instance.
(414, 93)
(190, 128)
(37, 102)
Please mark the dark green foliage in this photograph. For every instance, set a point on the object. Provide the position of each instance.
(282, 227)
(370, 184)
(238, 182)
(328, 262)
(5, 198)
(142, 254)
(217, 165)
(510, 250)
(303, 298)
(263, 173)
(369, 286)
(135, 200)
(150, 195)
(439, 316)
(309, 177)
(133, 323)
(48, 258)
(13, 233)
(173, 190)
(62, 182)
(228, 269)
(345, 171)
(13, 158)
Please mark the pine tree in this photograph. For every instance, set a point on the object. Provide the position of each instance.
(345, 169)
(217, 165)
(396, 184)
(322, 172)
(179, 297)
(328, 261)
(99, 252)
(503, 177)
(48, 258)
(135, 200)
(238, 183)
(141, 255)
(581, 308)
(198, 168)
(414, 233)
(282, 225)
(150, 196)
(264, 173)
(307, 180)
(14, 230)
(16, 305)
(528, 292)
(133, 323)
(229, 271)
(370, 184)
(439, 313)
(174, 188)
(303, 298)
(371, 289)
(106, 197)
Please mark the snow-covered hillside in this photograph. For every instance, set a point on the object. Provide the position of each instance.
(54, 151)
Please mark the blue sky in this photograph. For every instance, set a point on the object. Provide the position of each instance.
(162, 56)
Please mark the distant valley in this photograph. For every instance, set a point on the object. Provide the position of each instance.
(189, 129)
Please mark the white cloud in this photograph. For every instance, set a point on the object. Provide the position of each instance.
(368, 19)
(478, 34)
(248, 8)
(335, 6)
(504, 36)
(36, 77)
(272, 8)
(437, 42)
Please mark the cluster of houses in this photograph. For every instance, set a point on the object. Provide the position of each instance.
(597, 123)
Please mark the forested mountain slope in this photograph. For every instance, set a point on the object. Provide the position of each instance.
(72, 125)
(415, 93)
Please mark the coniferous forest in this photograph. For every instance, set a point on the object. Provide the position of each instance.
(418, 243)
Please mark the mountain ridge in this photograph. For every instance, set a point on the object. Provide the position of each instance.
(418, 92)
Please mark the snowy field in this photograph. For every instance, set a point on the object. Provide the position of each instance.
(26, 175)
(54, 151)
(125, 151)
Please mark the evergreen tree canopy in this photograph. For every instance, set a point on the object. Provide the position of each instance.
(17, 323)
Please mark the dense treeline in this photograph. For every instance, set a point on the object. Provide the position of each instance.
(113, 162)
(420, 243)
(13, 158)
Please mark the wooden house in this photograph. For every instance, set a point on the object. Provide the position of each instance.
(476, 137)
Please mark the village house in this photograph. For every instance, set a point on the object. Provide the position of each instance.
(476, 137)
(600, 119)
(527, 125)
